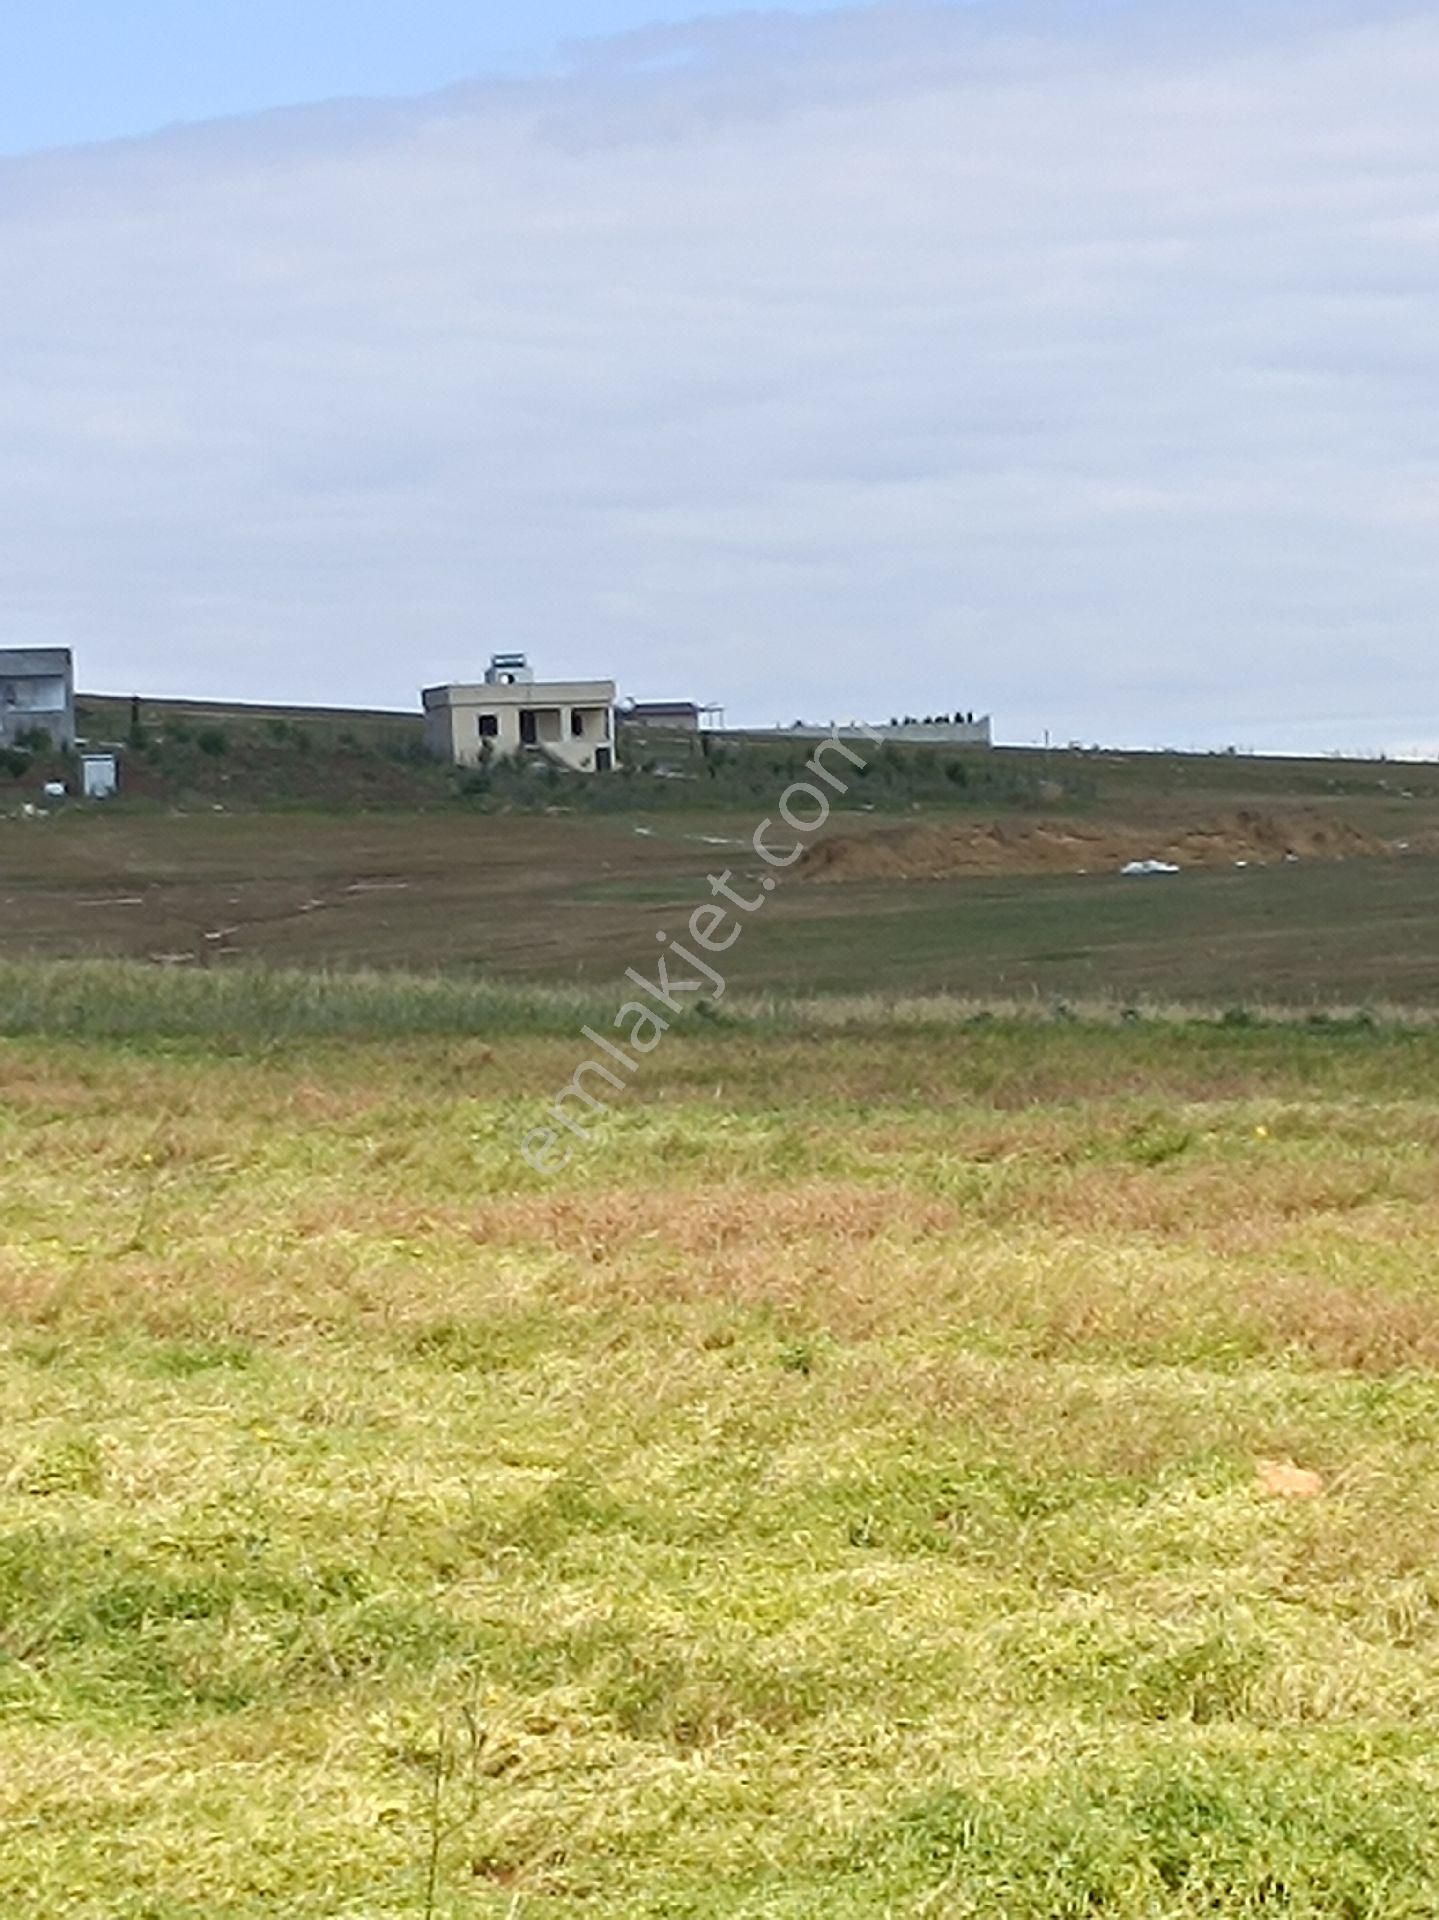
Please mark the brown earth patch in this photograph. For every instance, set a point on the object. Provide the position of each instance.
(941, 851)
(1284, 1481)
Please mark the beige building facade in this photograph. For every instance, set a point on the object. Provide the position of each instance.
(510, 712)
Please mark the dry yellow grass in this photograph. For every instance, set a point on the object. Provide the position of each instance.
(856, 1492)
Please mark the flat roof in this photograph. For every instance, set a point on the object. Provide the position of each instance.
(18, 662)
(522, 693)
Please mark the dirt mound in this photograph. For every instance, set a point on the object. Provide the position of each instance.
(937, 852)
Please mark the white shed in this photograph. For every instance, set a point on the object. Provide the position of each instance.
(100, 775)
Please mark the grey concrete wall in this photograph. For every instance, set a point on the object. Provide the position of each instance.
(980, 733)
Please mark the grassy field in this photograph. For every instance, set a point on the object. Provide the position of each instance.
(325, 839)
(959, 1456)
(866, 1486)
(578, 898)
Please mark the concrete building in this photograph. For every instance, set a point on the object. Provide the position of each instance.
(37, 694)
(571, 721)
(669, 716)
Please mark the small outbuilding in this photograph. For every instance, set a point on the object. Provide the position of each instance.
(99, 775)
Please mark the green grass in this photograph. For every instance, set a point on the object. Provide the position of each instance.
(1356, 931)
(106, 999)
(268, 1008)
(836, 1498)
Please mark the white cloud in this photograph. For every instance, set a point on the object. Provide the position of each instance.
(1074, 362)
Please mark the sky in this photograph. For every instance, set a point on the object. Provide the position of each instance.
(1075, 362)
(73, 71)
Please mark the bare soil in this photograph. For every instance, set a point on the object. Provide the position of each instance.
(947, 849)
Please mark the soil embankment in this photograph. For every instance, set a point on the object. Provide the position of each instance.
(944, 851)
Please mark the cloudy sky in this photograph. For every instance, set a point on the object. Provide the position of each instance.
(1072, 361)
